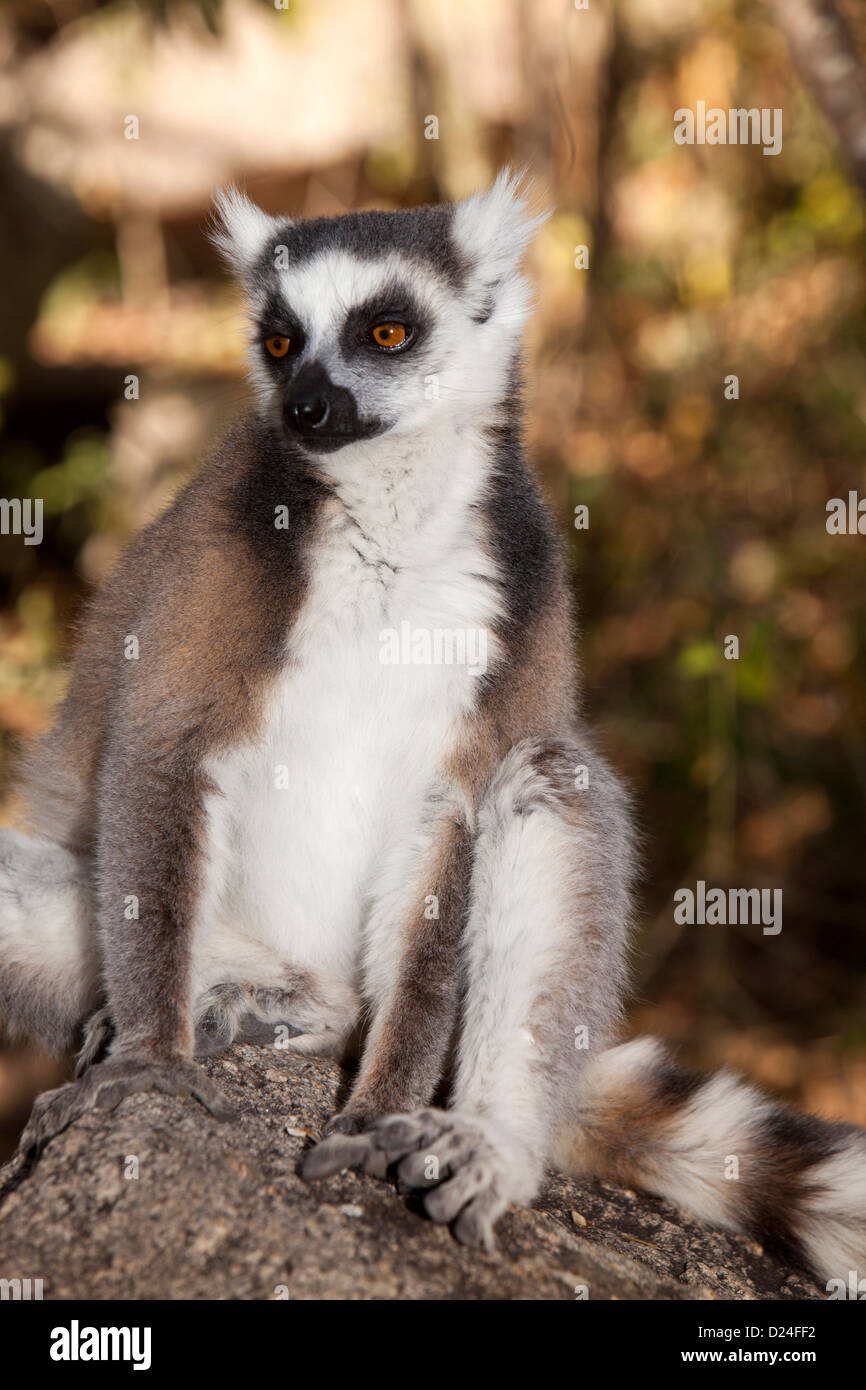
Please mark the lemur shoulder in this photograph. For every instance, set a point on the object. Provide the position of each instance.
(247, 820)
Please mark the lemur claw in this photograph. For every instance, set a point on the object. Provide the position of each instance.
(105, 1085)
(462, 1167)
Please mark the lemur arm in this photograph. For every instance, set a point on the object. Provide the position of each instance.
(151, 831)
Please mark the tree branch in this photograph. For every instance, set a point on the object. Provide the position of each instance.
(158, 1200)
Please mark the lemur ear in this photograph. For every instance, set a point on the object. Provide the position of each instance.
(239, 230)
(493, 229)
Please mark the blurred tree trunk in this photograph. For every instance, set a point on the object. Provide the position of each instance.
(826, 54)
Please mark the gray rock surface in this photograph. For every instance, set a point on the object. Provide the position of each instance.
(219, 1212)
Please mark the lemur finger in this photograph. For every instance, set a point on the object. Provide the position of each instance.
(403, 1133)
(475, 1226)
(335, 1153)
(109, 1095)
(52, 1113)
(427, 1166)
(446, 1200)
(105, 1085)
(213, 1100)
(376, 1162)
(181, 1079)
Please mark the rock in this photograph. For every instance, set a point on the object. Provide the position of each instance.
(159, 1200)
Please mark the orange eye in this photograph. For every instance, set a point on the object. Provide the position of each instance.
(277, 347)
(389, 335)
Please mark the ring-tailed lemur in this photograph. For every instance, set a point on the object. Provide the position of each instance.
(279, 791)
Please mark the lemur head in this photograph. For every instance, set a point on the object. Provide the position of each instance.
(381, 323)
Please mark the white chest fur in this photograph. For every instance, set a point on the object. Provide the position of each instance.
(383, 659)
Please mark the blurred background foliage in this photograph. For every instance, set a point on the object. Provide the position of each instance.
(706, 515)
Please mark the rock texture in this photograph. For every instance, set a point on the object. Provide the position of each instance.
(158, 1200)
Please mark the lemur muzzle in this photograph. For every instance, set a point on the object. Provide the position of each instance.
(322, 413)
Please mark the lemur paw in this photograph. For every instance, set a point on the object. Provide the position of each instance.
(468, 1168)
(105, 1085)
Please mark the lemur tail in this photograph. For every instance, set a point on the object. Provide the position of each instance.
(729, 1155)
(49, 973)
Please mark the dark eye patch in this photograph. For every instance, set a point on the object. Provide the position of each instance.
(275, 319)
(393, 304)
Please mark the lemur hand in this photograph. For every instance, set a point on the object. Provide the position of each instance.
(105, 1085)
(470, 1170)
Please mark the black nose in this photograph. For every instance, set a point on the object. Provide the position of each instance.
(320, 414)
(308, 413)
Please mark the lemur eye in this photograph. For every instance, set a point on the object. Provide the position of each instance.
(390, 335)
(277, 347)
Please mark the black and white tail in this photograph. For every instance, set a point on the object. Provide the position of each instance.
(49, 970)
(730, 1156)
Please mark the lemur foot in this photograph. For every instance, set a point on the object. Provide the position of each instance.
(104, 1086)
(310, 1015)
(470, 1170)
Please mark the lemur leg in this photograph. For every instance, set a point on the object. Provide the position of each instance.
(411, 977)
(544, 973)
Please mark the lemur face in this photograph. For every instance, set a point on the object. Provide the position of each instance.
(380, 323)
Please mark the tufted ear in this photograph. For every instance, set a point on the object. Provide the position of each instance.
(239, 229)
(493, 230)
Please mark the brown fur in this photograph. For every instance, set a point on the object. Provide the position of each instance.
(210, 591)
